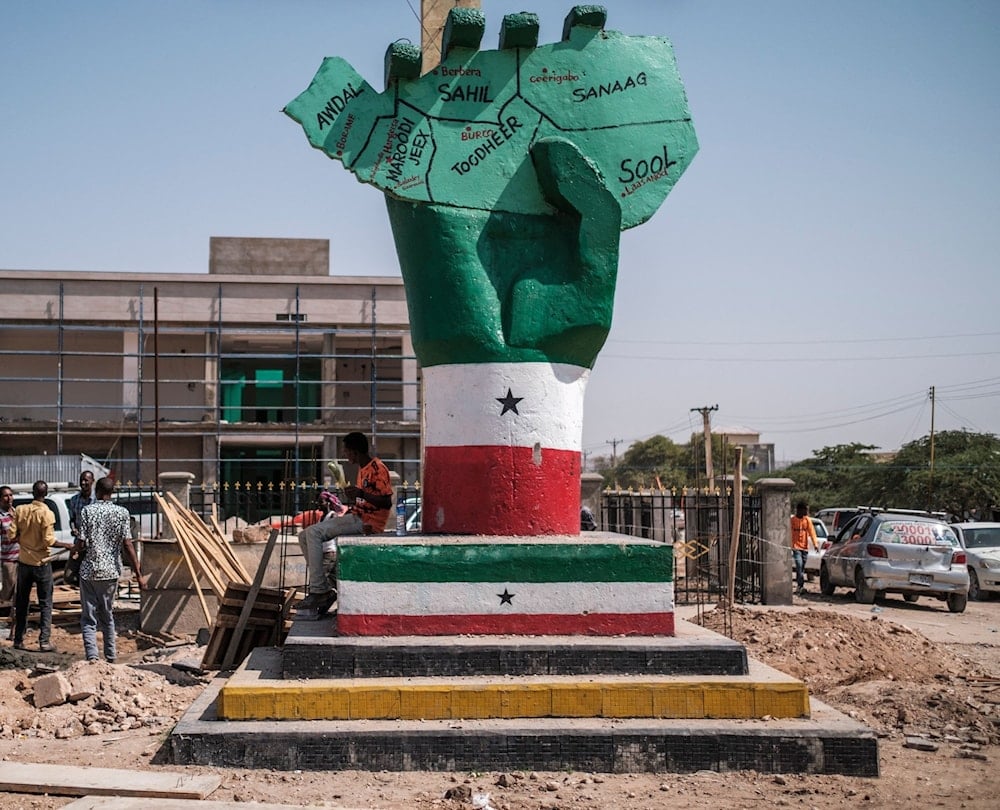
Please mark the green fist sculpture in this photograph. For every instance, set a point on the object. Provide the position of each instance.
(508, 176)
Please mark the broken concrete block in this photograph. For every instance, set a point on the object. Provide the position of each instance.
(52, 690)
(83, 686)
(920, 744)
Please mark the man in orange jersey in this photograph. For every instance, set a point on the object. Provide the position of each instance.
(803, 534)
(368, 504)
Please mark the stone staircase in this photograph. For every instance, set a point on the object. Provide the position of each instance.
(684, 703)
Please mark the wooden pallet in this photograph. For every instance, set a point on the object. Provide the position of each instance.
(234, 634)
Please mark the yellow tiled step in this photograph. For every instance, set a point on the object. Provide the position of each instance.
(256, 692)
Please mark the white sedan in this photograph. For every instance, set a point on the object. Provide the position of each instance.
(981, 542)
(815, 557)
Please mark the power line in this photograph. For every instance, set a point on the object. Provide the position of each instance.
(811, 360)
(818, 342)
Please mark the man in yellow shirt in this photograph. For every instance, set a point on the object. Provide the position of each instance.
(803, 534)
(34, 527)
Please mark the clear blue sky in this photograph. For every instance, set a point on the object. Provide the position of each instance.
(831, 253)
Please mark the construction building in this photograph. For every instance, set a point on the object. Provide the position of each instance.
(249, 373)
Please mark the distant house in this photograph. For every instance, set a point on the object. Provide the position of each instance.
(758, 457)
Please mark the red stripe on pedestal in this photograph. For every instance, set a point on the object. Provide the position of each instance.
(500, 491)
(522, 624)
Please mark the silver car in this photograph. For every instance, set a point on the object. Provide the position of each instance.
(885, 552)
(981, 542)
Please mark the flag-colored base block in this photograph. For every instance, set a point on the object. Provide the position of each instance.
(598, 585)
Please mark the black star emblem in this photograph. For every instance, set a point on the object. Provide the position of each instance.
(505, 598)
(509, 402)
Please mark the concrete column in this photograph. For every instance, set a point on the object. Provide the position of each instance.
(211, 377)
(130, 373)
(179, 483)
(409, 377)
(591, 485)
(328, 375)
(209, 454)
(776, 537)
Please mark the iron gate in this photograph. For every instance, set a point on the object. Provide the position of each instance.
(700, 527)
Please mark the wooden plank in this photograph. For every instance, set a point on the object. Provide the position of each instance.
(72, 780)
(227, 547)
(212, 657)
(165, 508)
(201, 538)
(233, 622)
(209, 547)
(116, 803)
(258, 580)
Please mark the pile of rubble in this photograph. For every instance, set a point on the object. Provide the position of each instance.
(92, 698)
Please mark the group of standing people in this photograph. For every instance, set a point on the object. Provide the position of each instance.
(101, 530)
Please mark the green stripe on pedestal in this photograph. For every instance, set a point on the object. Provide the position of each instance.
(506, 562)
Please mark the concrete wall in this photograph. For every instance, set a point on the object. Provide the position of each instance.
(268, 257)
(170, 603)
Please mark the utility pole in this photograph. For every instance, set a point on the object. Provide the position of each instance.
(433, 16)
(706, 420)
(614, 451)
(930, 482)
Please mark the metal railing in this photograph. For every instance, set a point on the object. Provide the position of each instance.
(699, 525)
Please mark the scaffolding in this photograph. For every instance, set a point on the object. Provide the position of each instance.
(288, 385)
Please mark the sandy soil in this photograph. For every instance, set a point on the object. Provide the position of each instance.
(880, 672)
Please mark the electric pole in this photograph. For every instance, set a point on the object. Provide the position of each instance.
(433, 16)
(614, 451)
(930, 481)
(706, 420)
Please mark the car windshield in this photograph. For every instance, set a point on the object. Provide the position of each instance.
(982, 538)
(915, 533)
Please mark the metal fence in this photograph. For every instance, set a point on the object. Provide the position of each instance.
(699, 524)
(288, 506)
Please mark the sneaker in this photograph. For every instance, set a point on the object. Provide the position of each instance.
(44, 646)
(19, 645)
(318, 603)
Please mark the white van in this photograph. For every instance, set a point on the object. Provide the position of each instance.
(58, 503)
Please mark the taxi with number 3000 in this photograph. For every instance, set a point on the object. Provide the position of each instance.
(885, 552)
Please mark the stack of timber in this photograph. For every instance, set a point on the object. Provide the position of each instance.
(249, 615)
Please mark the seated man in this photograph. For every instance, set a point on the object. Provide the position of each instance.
(368, 504)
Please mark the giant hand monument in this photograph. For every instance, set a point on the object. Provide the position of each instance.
(508, 176)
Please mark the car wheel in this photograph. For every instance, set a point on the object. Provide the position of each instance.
(975, 592)
(911, 597)
(825, 586)
(863, 595)
(957, 602)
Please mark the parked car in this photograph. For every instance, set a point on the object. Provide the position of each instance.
(981, 542)
(814, 558)
(889, 552)
(835, 518)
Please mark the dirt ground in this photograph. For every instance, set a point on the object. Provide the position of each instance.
(876, 670)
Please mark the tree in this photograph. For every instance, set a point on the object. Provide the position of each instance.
(965, 480)
(838, 475)
(645, 461)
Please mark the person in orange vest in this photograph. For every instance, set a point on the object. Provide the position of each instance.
(803, 535)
